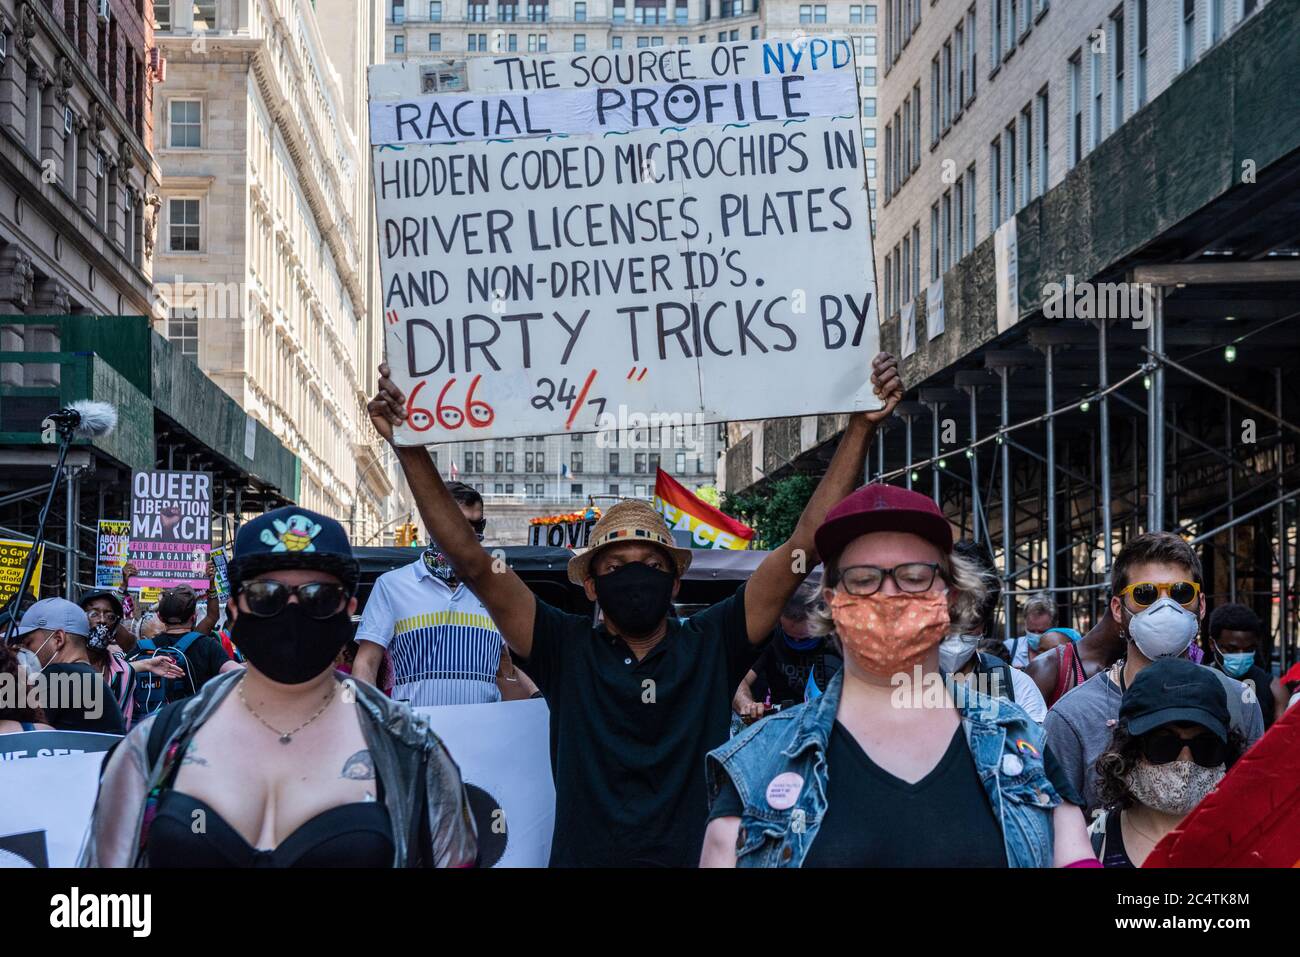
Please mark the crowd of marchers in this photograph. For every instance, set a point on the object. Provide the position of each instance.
(778, 732)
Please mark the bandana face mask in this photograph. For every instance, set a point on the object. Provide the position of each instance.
(438, 565)
(890, 634)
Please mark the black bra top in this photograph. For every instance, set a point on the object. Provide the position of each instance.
(350, 835)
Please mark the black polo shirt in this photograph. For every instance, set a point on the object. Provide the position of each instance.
(628, 738)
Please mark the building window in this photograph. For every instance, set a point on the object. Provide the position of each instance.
(1094, 78)
(869, 13)
(679, 463)
(995, 34)
(1009, 152)
(805, 13)
(613, 463)
(537, 43)
(498, 461)
(959, 219)
(184, 225)
(70, 154)
(1140, 62)
(934, 101)
(616, 43)
(995, 183)
(945, 212)
(1216, 21)
(935, 271)
(947, 85)
(435, 10)
(959, 65)
(539, 13)
(1042, 141)
(970, 208)
(477, 42)
(905, 268)
(916, 258)
(580, 12)
(509, 12)
(1076, 108)
(869, 106)
(1189, 33)
(868, 76)
(510, 461)
(205, 14)
(186, 124)
(435, 42)
(1027, 154)
(579, 42)
(638, 463)
(162, 15)
(855, 13)
(399, 11)
(399, 43)
(183, 331)
(1117, 69)
(869, 137)
(970, 52)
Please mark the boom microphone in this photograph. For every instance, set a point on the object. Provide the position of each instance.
(86, 419)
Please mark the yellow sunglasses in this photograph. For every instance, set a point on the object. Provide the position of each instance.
(1145, 594)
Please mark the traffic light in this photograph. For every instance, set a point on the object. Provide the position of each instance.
(406, 536)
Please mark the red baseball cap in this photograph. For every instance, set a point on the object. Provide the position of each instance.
(882, 508)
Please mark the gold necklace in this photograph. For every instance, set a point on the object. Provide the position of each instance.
(287, 736)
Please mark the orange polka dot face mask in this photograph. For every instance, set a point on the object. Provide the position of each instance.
(889, 634)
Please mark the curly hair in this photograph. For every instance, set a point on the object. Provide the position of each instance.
(9, 672)
(1120, 757)
(1235, 617)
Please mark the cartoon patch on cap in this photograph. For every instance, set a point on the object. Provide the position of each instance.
(295, 535)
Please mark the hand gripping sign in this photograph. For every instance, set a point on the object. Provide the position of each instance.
(672, 232)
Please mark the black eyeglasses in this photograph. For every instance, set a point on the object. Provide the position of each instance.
(1164, 745)
(910, 577)
(266, 599)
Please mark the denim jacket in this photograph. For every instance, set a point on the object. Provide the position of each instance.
(1007, 746)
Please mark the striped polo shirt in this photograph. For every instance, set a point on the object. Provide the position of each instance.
(443, 645)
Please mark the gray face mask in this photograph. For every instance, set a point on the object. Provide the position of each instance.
(27, 658)
(956, 650)
(1173, 788)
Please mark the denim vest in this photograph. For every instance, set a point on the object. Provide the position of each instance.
(1006, 743)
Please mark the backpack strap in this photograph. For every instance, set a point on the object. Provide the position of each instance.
(165, 721)
(145, 644)
(187, 639)
(993, 665)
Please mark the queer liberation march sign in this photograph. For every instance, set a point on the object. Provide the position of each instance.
(110, 553)
(503, 752)
(171, 528)
(13, 558)
(677, 230)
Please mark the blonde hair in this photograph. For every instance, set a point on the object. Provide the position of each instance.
(966, 592)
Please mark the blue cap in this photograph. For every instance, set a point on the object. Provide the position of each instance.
(293, 537)
(55, 614)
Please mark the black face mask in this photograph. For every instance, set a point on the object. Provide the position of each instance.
(635, 597)
(290, 647)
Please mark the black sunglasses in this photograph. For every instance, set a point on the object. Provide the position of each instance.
(268, 598)
(1163, 745)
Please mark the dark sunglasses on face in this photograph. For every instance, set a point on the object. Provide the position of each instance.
(266, 599)
(1162, 746)
(478, 525)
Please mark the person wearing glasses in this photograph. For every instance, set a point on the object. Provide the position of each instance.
(1157, 600)
(441, 643)
(1171, 747)
(286, 763)
(892, 766)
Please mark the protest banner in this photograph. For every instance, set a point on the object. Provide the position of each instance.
(171, 528)
(13, 557)
(110, 552)
(26, 745)
(503, 752)
(571, 530)
(575, 234)
(220, 561)
(685, 511)
(47, 827)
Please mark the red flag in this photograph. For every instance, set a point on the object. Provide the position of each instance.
(683, 510)
(1253, 818)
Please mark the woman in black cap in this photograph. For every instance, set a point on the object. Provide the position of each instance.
(104, 610)
(1171, 747)
(287, 764)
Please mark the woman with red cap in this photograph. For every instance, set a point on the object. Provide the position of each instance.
(892, 766)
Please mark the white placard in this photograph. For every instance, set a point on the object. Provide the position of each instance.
(934, 320)
(503, 752)
(658, 254)
(1006, 266)
(50, 799)
(907, 328)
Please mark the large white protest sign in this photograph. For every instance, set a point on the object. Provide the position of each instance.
(678, 231)
(51, 799)
(503, 751)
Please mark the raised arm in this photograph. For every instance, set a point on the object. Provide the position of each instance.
(775, 580)
(502, 592)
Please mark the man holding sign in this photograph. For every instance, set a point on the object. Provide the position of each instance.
(638, 700)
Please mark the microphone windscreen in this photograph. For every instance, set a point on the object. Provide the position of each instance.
(97, 418)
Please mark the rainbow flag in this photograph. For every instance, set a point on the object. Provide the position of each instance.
(683, 510)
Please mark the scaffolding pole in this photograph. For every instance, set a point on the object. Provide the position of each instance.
(1156, 417)
(1050, 468)
(974, 471)
(934, 448)
(1232, 527)
(1103, 412)
(907, 421)
(1008, 520)
(1284, 606)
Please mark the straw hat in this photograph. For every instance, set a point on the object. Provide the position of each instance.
(631, 520)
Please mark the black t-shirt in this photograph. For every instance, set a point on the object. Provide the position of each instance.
(71, 698)
(783, 671)
(874, 819)
(1262, 681)
(628, 738)
(202, 659)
